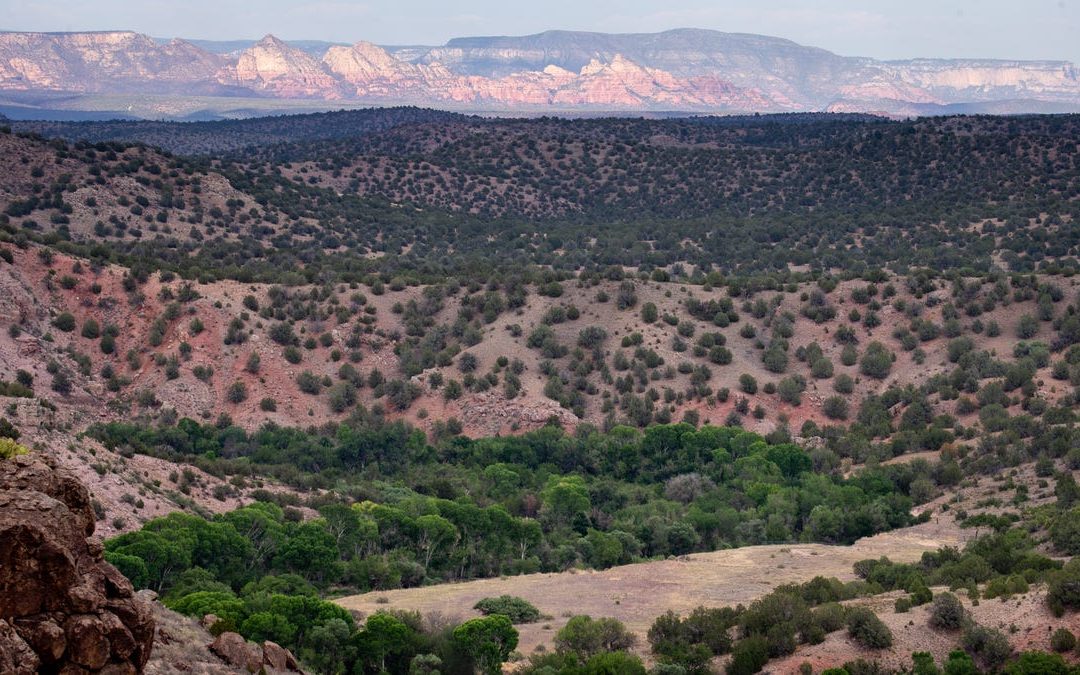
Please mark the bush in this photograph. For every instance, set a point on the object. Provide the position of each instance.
(1062, 640)
(91, 329)
(65, 322)
(990, 647)
(1038, 663)
(843, 384)
(8, 430)
(1027, 327)
(9, 448)
(237, 392)
(1065, 532)
(588, 637)
(946, 612)
(831, 616)
(468, 362)
(748, 656)
(61, 383)
(342, 397)
(790, 390)
(1064, 589)
(876, 361)
(748, 383)
(518, 610)
(868, 630)
(309, 383)
(282, 333)
(591, 336)
(626, 296)
(649, 313)
(835, 408)
(775, 358)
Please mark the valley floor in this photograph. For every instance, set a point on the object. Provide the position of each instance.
(637, 594)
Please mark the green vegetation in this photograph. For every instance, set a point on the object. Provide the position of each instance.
(675, 496)
(10, 449)
(518, 610)
(836, 224)
(478, 216)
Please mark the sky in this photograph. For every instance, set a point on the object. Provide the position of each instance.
(1011, 29)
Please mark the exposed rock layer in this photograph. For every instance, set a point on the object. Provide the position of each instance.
(674, 70)
(62, 607)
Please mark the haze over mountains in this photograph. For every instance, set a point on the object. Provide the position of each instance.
(558, 71)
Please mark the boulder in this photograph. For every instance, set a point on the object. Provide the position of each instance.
(275, 656)
(16, 657)
(61, 605)
(234, 650)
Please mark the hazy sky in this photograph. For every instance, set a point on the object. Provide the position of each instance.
(1029, 29)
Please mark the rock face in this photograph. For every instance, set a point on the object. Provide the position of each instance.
(62, 607)
(108, 61)
(273, 66)
(691, 70)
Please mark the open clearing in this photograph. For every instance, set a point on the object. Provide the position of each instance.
(637, 594)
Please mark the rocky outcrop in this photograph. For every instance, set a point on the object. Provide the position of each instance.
(273, 66)
(235, 651)
(693, 70)
(105, 62)
(372, 73)
(62, 607)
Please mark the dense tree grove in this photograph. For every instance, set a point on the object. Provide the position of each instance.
(406, 512)
(543, 501)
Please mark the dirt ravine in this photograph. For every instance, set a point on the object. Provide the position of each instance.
(637, 594)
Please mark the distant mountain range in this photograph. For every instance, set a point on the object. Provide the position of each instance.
(685, 70)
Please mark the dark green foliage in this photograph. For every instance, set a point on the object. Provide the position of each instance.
(1039, 663)
(309, 383)
(960, 662)
(488, 641)
(835, 408)
(64, 321)
(1062, 640)
(867, 629)
(15, 390)
(988, 647)
(1065, 532)
(876, 361)
(1064, 589)
(729, 462)
(237, 392)
(947, 613)
(518, 610)
(91, 329)
(748, 656)
(588, 637)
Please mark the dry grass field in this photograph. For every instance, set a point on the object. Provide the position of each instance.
(637, 594)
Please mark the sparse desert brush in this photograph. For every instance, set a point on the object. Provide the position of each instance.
(9, 449)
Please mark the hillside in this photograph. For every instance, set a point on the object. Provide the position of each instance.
(811, 193)
(825, 366)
